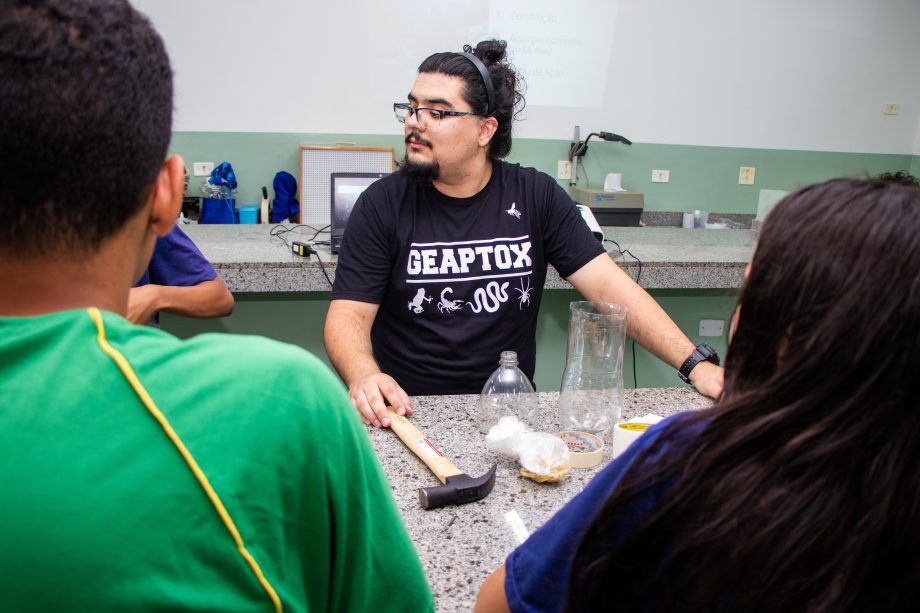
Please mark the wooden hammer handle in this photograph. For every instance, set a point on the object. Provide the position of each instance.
(422, 447)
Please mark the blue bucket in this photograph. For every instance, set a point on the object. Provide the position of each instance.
(217, 210)
(249, 213)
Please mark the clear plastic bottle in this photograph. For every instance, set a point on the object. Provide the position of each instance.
(591, 396)
(507, 392)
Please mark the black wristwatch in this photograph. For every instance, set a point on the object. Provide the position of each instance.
(702, 353)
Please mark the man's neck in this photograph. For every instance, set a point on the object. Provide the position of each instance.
(38, 287)
(62, 281)
(466, 182)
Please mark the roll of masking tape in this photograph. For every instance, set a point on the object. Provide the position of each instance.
(585, 449)
(624, 433)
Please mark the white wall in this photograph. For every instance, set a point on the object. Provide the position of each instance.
(785, 74)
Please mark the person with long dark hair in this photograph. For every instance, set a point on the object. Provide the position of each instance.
(799, 489)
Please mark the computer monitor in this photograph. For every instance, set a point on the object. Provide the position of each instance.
(345, 189)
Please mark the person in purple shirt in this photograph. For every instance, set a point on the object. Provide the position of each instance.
(178, 280)
(799, 489)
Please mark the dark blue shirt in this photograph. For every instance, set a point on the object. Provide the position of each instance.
(177, 262)
(537, 573)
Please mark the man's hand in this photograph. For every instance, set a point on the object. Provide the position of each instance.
(143, 303)
(708, 379)
(348, 343)
(601, 280)
(371, 395)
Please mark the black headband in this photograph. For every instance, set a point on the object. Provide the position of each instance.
(486, 79)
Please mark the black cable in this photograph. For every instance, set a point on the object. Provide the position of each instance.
(584, 170)
(322, 267)
(623, 253)
(280, 233)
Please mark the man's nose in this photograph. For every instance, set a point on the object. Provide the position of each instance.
(416, 122)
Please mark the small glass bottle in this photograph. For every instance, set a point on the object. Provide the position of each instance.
(507, 392)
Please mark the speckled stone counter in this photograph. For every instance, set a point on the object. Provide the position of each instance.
(460, 545)
(248, 259)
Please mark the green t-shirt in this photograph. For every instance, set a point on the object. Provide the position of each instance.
(99, 511)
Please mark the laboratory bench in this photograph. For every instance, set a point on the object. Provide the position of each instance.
(249, 259)
(694, 274)
(459, 545)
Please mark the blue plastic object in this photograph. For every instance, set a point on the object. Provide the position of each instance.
(223, 175)
(217, 210)
(249, 214)
(285, 205)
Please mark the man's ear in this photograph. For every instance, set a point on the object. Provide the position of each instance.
(487, 130)
(166, 197)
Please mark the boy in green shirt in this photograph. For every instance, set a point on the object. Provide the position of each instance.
(138, 471)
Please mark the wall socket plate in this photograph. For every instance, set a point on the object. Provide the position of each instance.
(202, 169)
(712, 327)
(892, 109)
(564, 169)
(661, 176)
(746, 175)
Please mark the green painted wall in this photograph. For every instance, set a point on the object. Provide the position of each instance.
(685, 307)
(703, 178)
(298, 318)
(915, 166)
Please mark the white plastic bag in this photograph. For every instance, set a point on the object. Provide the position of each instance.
(539, 453)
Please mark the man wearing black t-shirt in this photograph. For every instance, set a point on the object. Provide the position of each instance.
(443, 264)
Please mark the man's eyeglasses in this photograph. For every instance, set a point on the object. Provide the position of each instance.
(425, 116)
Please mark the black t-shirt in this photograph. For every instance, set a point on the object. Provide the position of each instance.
(458, 280)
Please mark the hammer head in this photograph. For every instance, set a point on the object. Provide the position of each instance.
(458, 489)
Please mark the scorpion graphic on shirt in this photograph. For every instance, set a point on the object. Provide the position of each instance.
(446, 305)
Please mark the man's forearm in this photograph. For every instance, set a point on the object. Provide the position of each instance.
(650, 326)
(601, 280)
(348, 345)
(207, 299)
(347, 335)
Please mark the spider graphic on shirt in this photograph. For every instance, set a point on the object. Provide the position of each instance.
(524, 298)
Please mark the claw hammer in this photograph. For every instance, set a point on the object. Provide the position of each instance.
(458, 487)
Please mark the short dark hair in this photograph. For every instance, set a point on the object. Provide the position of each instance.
(86, 100)
(508, 85)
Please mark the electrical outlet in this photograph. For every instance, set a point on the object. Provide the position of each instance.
(202, 169)
(564, 169)
(661, 176)
(892, 109)
(712, 327)
(746, 175)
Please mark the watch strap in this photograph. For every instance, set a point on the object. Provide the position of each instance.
(701, 353)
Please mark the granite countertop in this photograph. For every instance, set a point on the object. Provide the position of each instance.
(248, 259)
(460, 545)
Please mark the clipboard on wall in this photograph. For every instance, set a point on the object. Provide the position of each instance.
(318, 162)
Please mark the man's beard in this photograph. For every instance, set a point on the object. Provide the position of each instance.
(422, 171)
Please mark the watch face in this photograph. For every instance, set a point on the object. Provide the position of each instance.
(708, 353)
